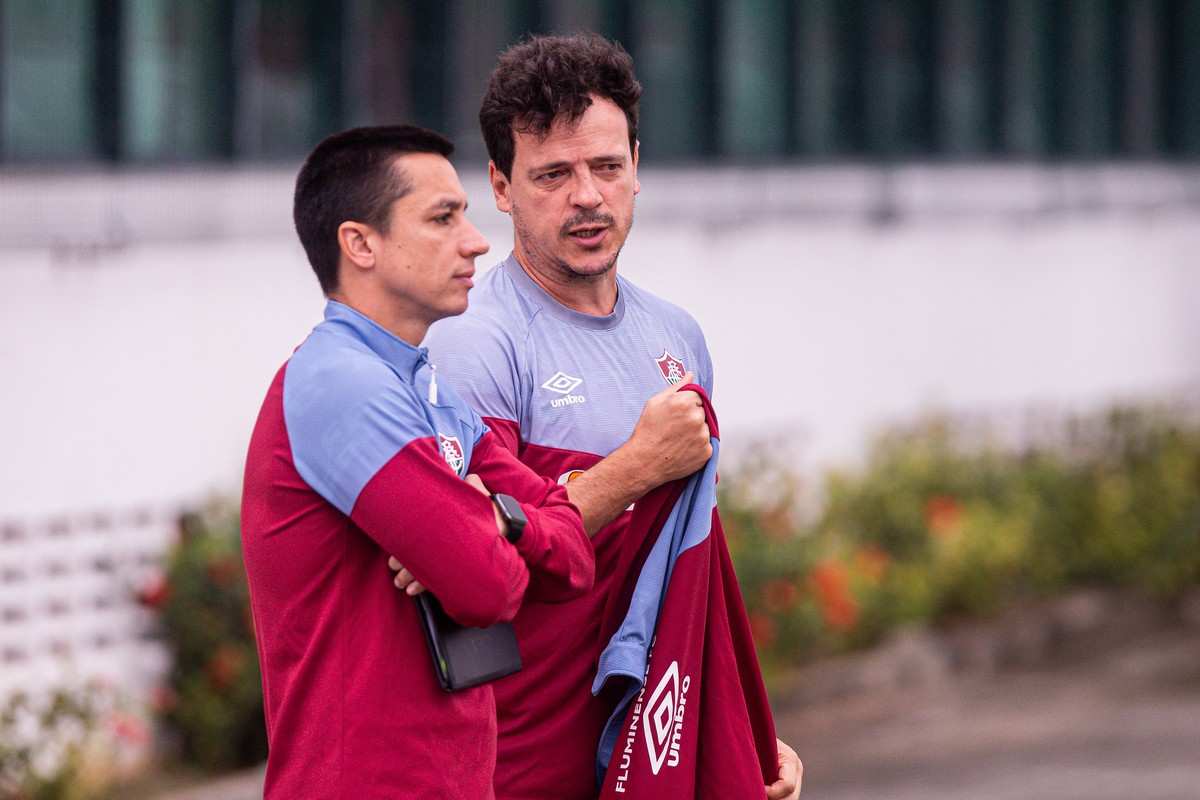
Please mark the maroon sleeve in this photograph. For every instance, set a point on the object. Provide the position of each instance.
(508, 432)
(443, 530)
(562, 563)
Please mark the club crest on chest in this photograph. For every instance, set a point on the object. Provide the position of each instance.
(452, 451)
(672, 368)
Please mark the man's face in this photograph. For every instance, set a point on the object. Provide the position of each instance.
(571, 195)
(426, 260)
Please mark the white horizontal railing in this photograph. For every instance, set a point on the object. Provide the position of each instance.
(69, 608)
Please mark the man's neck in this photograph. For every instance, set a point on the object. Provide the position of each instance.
(596, 297)
(402, 327)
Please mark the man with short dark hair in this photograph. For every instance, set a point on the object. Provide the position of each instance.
(361, 452)
(576, 370)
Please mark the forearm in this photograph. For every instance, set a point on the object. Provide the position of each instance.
(605, 490)
(444, 532)
(560, 558)
(669, 441)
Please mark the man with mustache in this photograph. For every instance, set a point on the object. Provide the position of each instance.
(575, 369)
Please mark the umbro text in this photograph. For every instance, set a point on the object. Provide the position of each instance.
(567, 400)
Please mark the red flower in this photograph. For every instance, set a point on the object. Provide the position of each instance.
(762, 628)
(223, 668)
(872, 562)
(779, 596)
(943, 514)
(223, 571)
(155, 592)
(832, 586)
(129, 729)
(163, 700)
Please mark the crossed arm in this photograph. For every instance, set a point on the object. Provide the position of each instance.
(669, 441)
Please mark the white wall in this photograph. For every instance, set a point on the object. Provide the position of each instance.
(142, 316)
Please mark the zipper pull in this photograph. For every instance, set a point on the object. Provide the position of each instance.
(432, 385)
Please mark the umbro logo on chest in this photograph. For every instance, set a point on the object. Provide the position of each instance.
(562, 384)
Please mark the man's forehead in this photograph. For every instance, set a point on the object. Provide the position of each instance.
(602, 119)
(432, 180)
(583, 140)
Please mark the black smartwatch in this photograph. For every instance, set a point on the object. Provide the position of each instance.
(514, 517)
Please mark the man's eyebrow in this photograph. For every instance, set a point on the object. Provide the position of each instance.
(548, 167)
(607, 158)
(448, 204)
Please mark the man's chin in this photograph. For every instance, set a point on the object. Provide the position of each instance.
(587, 270)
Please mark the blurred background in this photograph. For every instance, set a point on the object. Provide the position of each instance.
(944, 251)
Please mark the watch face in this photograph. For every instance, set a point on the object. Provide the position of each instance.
(510, 509)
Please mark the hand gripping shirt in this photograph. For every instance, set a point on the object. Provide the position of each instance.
(356, 456)
(563, 390)
(695, 720)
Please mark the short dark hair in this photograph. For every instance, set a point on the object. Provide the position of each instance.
(547, 78)
(351, 176)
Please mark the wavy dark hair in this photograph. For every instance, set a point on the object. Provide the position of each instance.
(545, 79)
(352, 176)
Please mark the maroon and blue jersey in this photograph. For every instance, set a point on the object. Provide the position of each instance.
(562, 390)
(359, 453)
(694, 719)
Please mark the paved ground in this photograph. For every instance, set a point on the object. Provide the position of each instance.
(1118, 723)
(1110, 712)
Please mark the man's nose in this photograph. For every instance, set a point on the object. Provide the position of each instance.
(473, 243)
(584, 192)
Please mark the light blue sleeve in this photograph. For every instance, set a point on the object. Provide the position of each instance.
(347, 415)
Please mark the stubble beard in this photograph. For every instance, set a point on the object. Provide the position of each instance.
(556, 268)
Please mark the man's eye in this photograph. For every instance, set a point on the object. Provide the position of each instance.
(443, 219)
(552, 175)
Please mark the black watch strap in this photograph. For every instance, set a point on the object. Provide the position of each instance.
(515, 518)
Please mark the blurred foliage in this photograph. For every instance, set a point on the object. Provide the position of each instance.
(213, 701)
(66, 743)
(941, 523)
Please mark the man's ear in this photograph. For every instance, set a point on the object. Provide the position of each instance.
(637, 187)
(500, 188)
(356, 242)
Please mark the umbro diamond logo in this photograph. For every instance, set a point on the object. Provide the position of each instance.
(562, 383)
(662, 719)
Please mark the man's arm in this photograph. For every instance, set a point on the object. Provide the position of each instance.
(561, 561)
(360, 440)
(445, 531)
(670, 440)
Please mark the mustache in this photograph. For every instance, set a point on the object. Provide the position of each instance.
(585, 218)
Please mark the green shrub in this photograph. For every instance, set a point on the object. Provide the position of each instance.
(214, 697)
(72, 742)
(940, 523)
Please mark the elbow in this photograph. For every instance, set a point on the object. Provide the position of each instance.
(488, 600)
(580, 579)
(560, 586)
